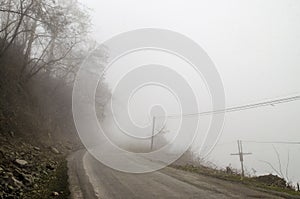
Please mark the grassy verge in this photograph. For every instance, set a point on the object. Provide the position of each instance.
(249, 181)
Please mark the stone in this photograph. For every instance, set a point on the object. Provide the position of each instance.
(36, 148)
(50, 167)
(14, 182)
(9, 174)
(55, 193)
(1, 169)
(11, 188)
(25, 178)
(21, 162)
(54, 150)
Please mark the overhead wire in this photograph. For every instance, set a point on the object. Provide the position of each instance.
(238, 108)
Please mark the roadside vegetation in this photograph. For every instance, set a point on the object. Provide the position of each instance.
(268, 183)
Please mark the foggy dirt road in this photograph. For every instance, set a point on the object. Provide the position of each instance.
(90, 179)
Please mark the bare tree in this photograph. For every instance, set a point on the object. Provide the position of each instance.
(47, 32)
(279, 171)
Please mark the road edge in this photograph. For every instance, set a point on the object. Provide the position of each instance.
(78, 177)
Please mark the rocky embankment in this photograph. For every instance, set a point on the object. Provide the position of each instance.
(31, 171)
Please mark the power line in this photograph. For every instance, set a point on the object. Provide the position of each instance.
(238, 108)
(271, 142)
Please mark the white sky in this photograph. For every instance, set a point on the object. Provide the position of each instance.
(255, 45)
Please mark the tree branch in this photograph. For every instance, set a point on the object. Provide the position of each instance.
(279, 161)
(268, 163)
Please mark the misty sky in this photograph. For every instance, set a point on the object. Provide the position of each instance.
(255, 46)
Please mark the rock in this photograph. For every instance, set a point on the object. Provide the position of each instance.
(5, 177)
(1, 169)
(9, 174)
(36, 148)
(21, 162)
(50, 166)
(35, 174)
(25, 178)
(55, 193)
(45, 173)
(14, 182)
(54, 150)
(21, 194)
(11, 188)
(12, 134)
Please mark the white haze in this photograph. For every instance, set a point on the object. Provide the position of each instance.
(256, 48)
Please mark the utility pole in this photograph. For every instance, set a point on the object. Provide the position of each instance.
(241, 155)
(153, 129)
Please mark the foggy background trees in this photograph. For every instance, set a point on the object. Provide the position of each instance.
(42, 44)
(47, 33)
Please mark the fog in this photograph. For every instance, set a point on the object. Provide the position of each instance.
(255, 46)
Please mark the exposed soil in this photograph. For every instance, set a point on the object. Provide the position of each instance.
(31, 171)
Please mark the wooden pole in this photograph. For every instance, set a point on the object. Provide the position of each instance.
(153, 131)
(241, 156)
